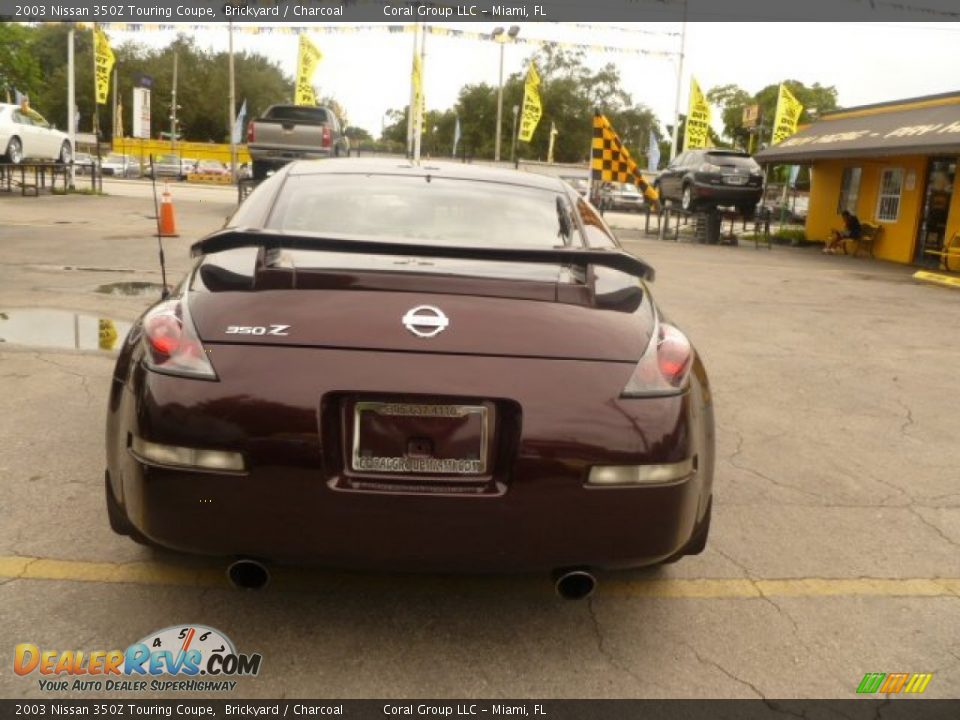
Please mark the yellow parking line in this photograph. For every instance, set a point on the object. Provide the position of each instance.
(157, 573)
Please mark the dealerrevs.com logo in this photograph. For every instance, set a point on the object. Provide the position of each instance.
(200, 657)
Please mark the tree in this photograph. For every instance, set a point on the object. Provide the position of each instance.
(732, 99)
(19, 67)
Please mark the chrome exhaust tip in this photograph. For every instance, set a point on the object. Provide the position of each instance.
(247, 574)
(575, 584)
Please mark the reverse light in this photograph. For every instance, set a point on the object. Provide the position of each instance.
(172, 344)
(710, 168)
(664, 366)
(187, 457)
(608, 475)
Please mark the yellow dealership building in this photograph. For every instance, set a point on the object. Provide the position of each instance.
(892, 164)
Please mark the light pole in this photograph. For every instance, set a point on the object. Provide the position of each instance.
(497, 35)
(513, 142)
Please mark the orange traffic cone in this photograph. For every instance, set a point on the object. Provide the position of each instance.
(168, 223)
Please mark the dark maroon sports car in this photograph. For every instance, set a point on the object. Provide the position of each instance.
(439, 368)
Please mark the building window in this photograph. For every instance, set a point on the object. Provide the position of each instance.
(888, 204)
(849, 190)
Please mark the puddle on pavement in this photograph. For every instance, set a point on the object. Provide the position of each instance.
(134, 288)
(61, 329)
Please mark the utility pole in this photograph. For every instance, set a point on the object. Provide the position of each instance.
(676, 108)
(232, 120)
(413, 93)
(96, 105)
(173, 107)
(418, 126)
(513, 137)
(71, 101)
(498, 36)
(113, 119)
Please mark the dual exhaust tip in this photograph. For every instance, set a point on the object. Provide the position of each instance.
(247, 574)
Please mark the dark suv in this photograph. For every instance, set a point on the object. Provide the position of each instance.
(699, 179)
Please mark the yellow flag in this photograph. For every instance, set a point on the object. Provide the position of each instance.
(610, 161)
(697, 132)
(104, 62)
(307, 60)
(532, 108)
(787, 116)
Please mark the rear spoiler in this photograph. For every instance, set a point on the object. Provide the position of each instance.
(232, 238)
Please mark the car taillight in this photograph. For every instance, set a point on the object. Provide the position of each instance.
(710, 168)
(250, 133)
(664, 367)
(172, 344)
(327, 137)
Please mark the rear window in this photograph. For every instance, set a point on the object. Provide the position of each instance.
(403, 208)
(731, 159)
(292, 113)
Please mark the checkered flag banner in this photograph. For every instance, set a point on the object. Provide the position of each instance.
(611, 161)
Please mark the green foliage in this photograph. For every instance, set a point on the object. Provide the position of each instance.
(19, 67)
(732, 99)
(569, 93)
(202, 81)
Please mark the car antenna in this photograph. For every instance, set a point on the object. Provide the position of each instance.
(165, 292)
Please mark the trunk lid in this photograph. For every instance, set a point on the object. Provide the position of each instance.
(459, 307)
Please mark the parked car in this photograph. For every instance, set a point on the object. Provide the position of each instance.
(26, 135)
(84, 163)
(293, 132)
(700, 179)
(622, 197)
(119, 165)
(383, 390)
(212, 167)
(170, 166)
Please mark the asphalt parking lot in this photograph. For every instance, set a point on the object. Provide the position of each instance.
(834, 546)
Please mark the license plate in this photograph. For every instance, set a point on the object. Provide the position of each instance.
(420, 439)
(735, 179)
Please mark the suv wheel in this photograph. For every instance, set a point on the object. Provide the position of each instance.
(686, 200)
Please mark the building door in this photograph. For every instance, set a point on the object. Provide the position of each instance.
(936, 205)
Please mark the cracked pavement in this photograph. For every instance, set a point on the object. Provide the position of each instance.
(837, 460)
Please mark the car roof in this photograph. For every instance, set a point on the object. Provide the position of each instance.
(456, 171)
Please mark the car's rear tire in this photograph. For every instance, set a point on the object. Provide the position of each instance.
(14, 153)
(119, 522)
(260, 170)
(686, 199)
(66, 154)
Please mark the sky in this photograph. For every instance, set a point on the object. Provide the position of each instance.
(368, 72)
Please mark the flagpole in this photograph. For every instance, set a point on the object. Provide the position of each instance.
(413, 93)
(418, 127)
(113, 121)
(96, 105)
(676, 107)
(71, 100)
(231, 117)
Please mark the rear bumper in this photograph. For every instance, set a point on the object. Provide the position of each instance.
(727, 194)
(282, 155)
(289, 506)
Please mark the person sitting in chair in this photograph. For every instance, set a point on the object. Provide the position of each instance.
(852, 231)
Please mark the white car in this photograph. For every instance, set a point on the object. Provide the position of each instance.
(120, 165)
(24, 134)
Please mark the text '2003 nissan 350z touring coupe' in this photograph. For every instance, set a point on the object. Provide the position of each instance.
(438, 368)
